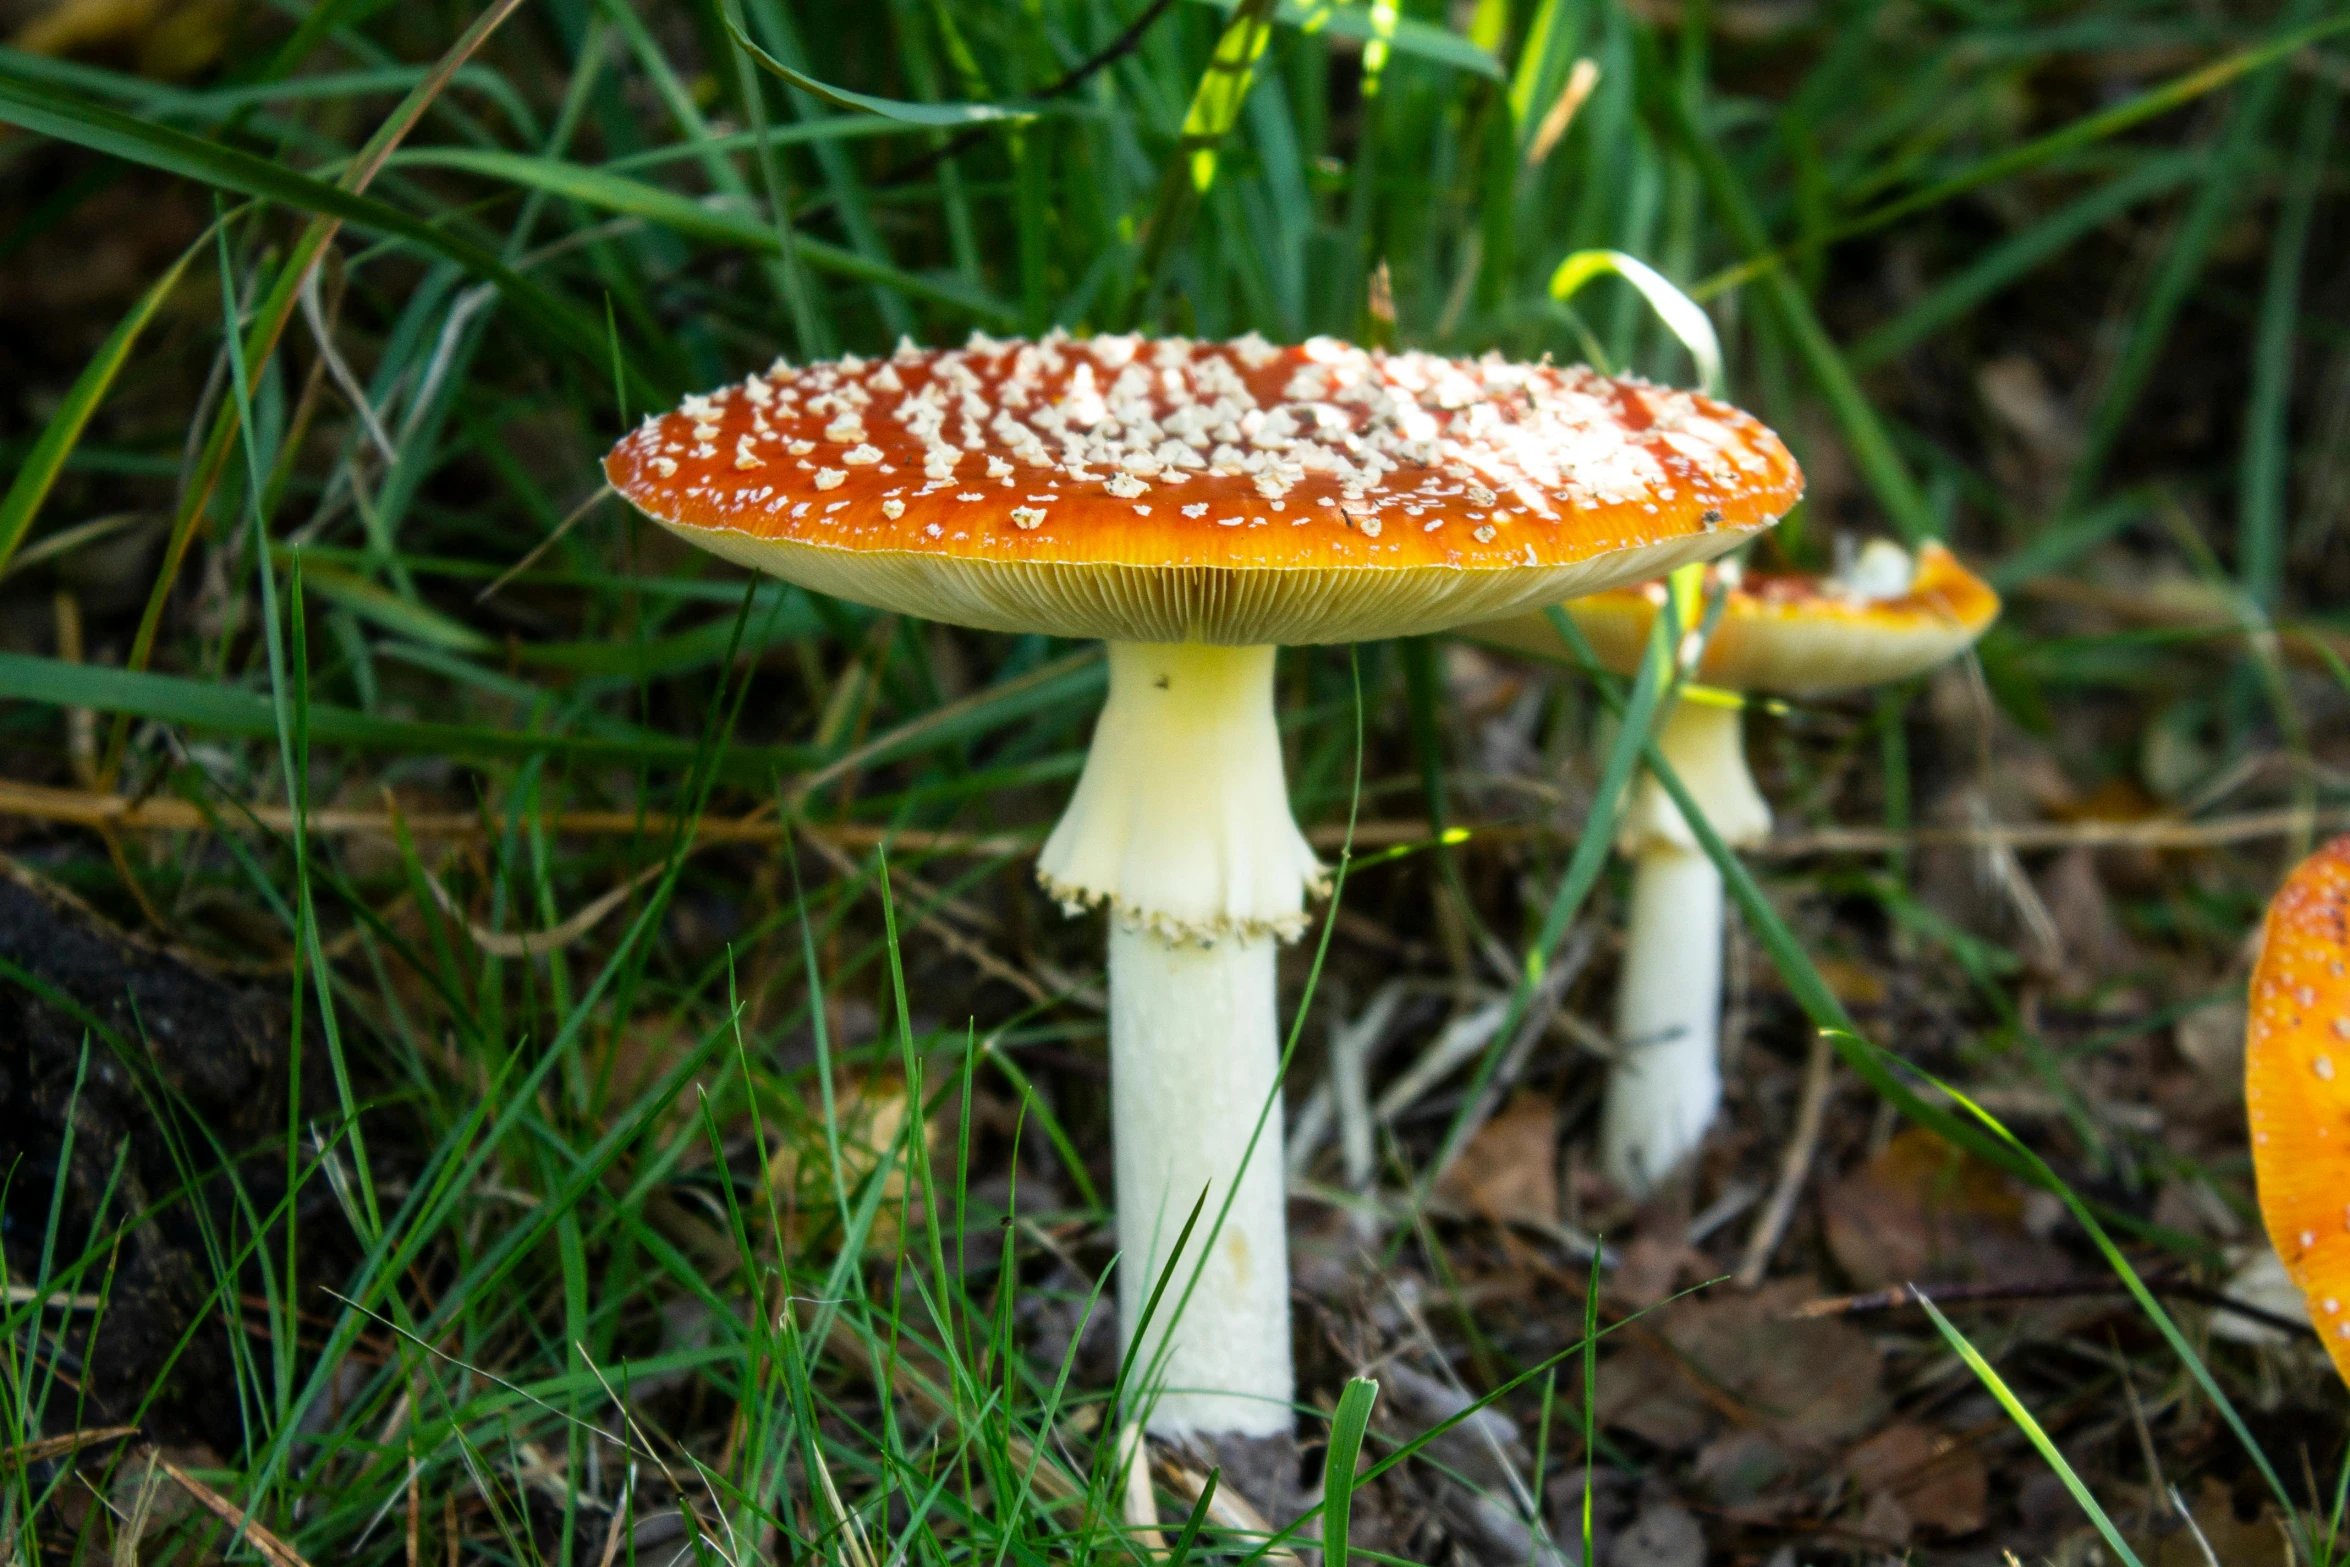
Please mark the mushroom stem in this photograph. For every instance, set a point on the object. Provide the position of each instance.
(1181, 825)
(1666, 1085)
(1194, 1055)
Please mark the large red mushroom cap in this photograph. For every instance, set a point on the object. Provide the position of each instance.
(1174, 490)
(2297, 1086)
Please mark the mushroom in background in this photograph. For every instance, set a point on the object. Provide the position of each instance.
(1886, 618)
(1198, 505)
(2297, 1087)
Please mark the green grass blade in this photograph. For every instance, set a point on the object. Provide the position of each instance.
(931, 115)
(1196, 1521)
(1680, 314)
(1865, 435)
(63, 432)
(1956, 297)
(1347, 1425)
(2260, 505)
(2025, 1422)
(101, 129)
(1412, 35)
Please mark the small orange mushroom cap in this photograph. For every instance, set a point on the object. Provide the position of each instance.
(2297, 1086)
(1787, 632)
(1167, 489)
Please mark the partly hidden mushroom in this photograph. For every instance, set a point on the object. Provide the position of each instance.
(1886, 617)
(1198, 505)
(2297, 1087)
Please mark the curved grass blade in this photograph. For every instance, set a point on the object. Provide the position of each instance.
(617, 193)
(1338, 1470)
(2147, 1303)
(1410, 35)
(207, 704)
(908, 113)
(1680, 314)
(2033, 1431)
(68, 118)
(2087, 131)
(64, 431)
(1953, 299)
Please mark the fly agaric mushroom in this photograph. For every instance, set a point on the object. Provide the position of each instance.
(2297, 1087)
(1198, 505)
(1886, 618)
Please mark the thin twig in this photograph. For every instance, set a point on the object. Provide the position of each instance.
(228, 1512)
(1904, 1295)
(97, 808)
(56, 1446)
(547, 543)
(1794, 1164)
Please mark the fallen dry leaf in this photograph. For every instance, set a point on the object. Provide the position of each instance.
(1923, 1211)
(1662, 1536)
(1736, 1360)
(1509, 1170)
(1936, 1483)
(871, 1114)
(2237, 1542)
(1653, 1266)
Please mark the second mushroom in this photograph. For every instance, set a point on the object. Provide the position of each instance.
(1885, 618)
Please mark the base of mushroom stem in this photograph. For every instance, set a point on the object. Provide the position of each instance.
(1666, 1086)
(1260, 1470)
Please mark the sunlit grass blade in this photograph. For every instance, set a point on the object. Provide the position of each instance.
(1407, 35)
(1677, 310)
(2027, 1423)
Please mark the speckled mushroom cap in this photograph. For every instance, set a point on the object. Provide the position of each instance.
(2297, 1086)
(1786, 632)
(1166, 490)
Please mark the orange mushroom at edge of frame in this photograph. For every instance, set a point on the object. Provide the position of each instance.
(2297, 1087)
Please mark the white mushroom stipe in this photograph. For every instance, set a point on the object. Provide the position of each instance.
(1194, 1054)
(1181, 825)
(1180, 822)
(1666, 1085)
